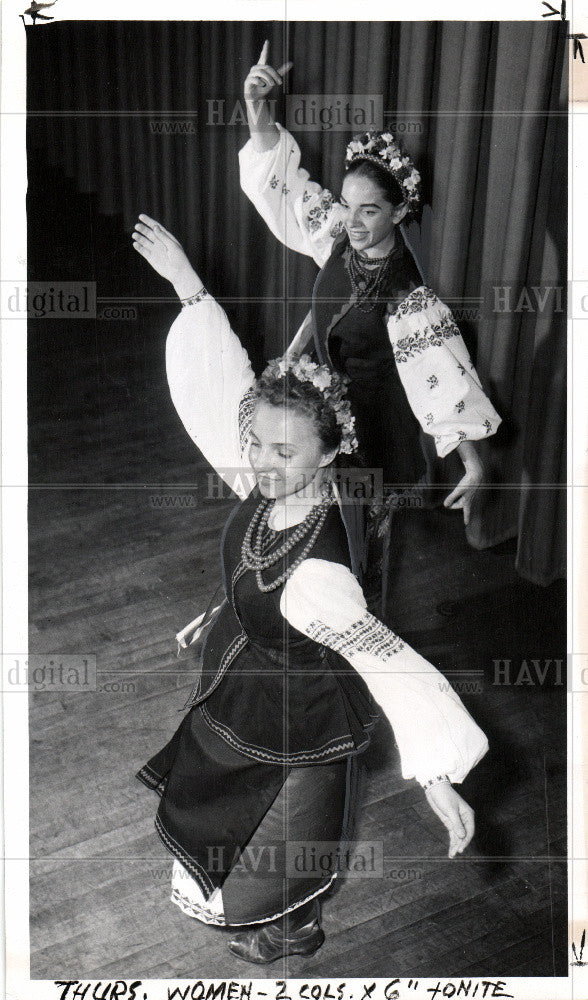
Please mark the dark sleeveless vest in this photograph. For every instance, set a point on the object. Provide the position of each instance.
(265, 688)
(356, 344)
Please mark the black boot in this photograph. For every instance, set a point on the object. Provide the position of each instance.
(296, 933)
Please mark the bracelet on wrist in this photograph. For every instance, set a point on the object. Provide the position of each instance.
(441, 779)
(193, 299)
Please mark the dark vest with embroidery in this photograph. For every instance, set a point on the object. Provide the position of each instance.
(268, 690)
(356, 344)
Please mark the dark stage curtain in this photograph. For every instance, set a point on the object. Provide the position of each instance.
(489, 102)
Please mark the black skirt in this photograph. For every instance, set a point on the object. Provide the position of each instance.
(266, 833)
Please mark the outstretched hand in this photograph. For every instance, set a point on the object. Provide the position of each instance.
(455, 814)
(261, 78)
(160, 248)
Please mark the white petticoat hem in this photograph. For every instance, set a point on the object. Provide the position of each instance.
(187, 894)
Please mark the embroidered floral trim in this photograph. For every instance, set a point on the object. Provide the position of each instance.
(416, 301)
(274, 182)
(488, 425)
(337, 229)
(246, 408)
(321, 211)
(366, 635)
(438, 780)
(433, 381)
(461, 436)
(433, 335)
(460, 407)
(429, 418)
(285, 190)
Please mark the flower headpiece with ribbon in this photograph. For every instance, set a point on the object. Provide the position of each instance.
(330, 385)
(382, 148)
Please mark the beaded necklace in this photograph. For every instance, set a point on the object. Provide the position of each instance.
(251, 547)
(366, 276)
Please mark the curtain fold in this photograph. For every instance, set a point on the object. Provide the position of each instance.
(150, 118)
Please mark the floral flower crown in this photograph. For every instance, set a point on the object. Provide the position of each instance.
(330, 385)
(382, 148)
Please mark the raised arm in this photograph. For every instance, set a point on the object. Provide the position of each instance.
(209, 373)
(436, 735)
(301, 214)
(259, 84)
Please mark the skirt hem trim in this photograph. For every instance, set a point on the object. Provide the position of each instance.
(150, 778)
(204, 915)
(345, 748)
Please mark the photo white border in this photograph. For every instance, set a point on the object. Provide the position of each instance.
(14, 465)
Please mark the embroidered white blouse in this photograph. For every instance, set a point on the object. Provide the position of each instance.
(440, 381)
(210, 379)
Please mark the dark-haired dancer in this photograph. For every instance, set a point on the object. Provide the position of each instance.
(373, 319)
(293, 662)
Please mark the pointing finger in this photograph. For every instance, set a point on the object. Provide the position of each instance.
(264, 52)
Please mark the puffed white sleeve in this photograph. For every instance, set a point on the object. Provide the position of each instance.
(300, 213)
(440, 381)
(211, 384)
(434, 731)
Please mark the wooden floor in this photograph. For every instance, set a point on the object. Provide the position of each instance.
(113, 573)
(123, 552)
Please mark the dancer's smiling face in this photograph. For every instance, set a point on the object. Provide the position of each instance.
(370, 216)
(286, 451)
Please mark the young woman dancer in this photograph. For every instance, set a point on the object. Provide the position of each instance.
(293, 663)
(372, 317)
